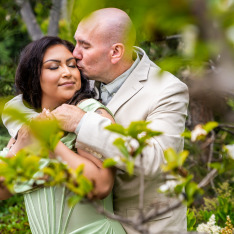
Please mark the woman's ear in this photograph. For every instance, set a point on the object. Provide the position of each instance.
(117, 52)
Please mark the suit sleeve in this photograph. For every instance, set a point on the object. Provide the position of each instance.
(167, 115)
(11, 123)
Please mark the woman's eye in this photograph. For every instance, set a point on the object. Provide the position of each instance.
(72, 65)
(53, 68)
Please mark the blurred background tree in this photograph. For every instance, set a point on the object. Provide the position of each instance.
(192, 39)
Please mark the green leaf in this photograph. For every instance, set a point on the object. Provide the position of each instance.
(86, 185)
(191, 220)
(117, 128)
(170, 155)
(130, 167)
(72, 201)
(220, 167)
(191, 189)
(210, 126)
(109, 162)
(79, 170)
(182, 157)
(47, 131)
(15, 113)
(136, 128)
(120, 144)
(186, 134)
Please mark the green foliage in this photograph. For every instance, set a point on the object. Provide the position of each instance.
(47, 132)
(135, 139)
(26, 164)
(13, 218)
(109, 162)
(174, 161)
(13, 37)
(74, 180)
(221, 206)
(191, 220)
(4, 137)
(185, 183)
(230, 102)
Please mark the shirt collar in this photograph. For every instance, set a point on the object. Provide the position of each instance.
(114, 86)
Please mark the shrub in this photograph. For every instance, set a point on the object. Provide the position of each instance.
(13, 218)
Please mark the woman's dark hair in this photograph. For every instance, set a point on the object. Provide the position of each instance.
(28, 73)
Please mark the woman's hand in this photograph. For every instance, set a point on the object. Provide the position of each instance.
(24, 138)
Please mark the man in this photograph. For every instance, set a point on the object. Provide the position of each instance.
(133, 90)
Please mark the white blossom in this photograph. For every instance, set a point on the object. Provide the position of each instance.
(230, 149)
(142, 134)
(209, 227)
(189, 37)
(8, 17)
(168, 186)
(131, 144)
(198, 131)
(117, 159)
(134, 144)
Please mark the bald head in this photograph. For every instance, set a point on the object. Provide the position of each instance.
(104, 44)
(114, 25)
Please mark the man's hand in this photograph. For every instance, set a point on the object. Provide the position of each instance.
(68, 116)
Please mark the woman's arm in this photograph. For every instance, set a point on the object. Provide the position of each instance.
(24, 139)
(102, 178)
(4, 192)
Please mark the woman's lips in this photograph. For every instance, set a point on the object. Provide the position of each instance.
(67, 84)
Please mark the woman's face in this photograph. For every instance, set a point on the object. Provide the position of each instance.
(60, 77)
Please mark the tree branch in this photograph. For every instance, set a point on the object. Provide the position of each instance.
(208, 178)
(155, 211)
(29, 19)
(54, 17)
(141, 195)
(226, 130)
(226, 126)
(134, 224)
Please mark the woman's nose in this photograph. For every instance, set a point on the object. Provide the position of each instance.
(66, 72)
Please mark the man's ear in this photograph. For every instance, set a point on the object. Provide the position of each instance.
(117, 52)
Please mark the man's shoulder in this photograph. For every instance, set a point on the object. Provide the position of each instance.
(155, 75)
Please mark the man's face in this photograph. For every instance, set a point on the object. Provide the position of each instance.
(92, 52)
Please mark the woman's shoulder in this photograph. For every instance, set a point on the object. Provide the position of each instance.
(91, 105)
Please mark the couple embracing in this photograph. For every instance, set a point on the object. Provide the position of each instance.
(52, 72)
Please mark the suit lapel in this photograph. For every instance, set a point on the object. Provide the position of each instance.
(132, 85)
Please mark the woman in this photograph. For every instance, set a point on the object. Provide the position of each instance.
(47, 76)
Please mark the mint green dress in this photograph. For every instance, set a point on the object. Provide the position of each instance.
(47, 207)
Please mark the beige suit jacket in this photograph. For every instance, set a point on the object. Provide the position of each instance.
(145, 95)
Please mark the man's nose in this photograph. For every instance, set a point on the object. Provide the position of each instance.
(77, 53)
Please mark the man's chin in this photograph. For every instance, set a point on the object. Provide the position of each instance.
(83, 75)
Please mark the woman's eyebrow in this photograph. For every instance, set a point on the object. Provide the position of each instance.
(58, 61)
(52, 60)
(70, 59)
